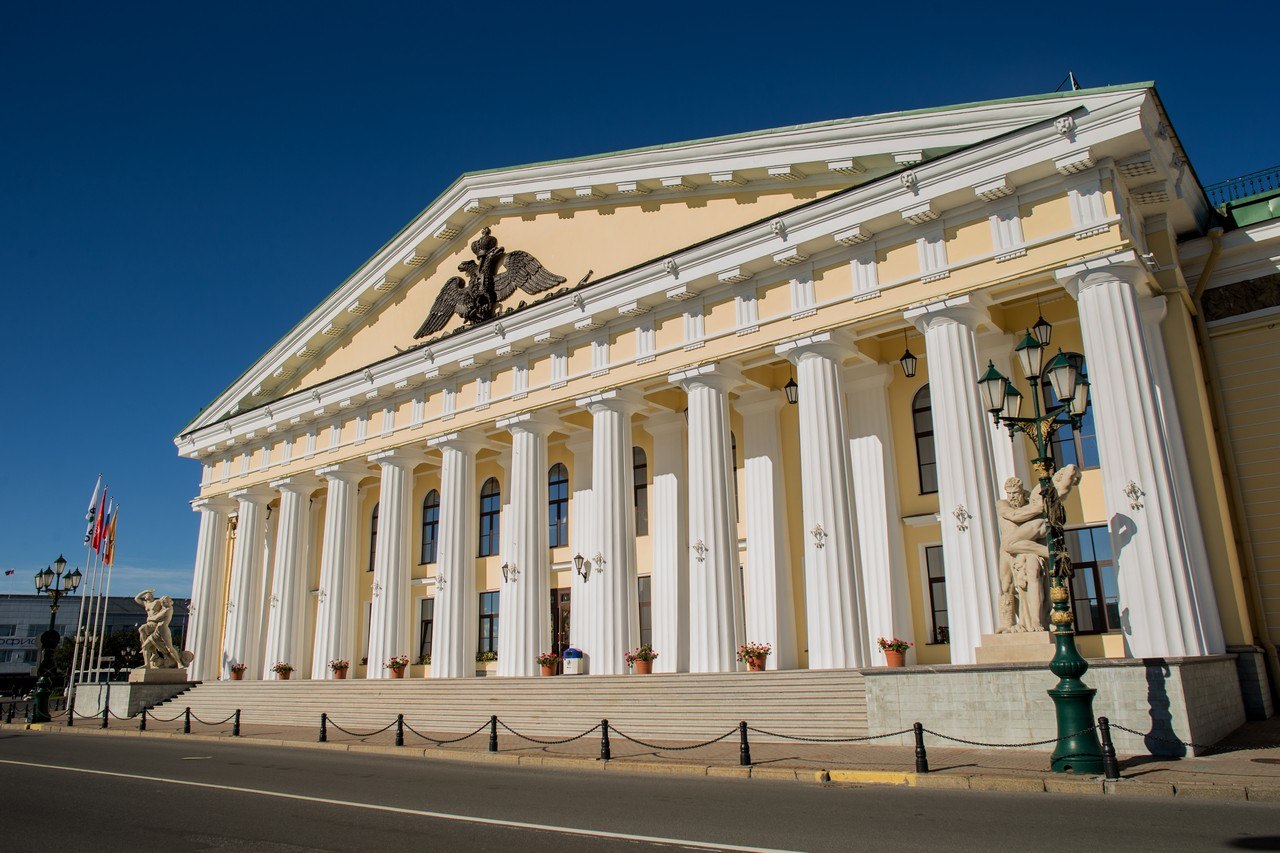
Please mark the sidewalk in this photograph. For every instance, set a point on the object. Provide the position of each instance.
(1245, 766)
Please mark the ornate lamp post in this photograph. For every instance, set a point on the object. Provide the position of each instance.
(1078, 751)
(54, 584)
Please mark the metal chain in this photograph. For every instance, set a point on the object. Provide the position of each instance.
(729, 733)
(827, 739)
(1009, 745)
(549, 742)
(1174, 740)
(152, 718)
(438, 742)
(357, 734)
(219, 722)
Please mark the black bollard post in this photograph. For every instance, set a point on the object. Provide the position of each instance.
(605, 753)
(235, 724)
(399, 729)
(1110, 766)
(186, 721)
(324, 728)
(922, 757)
(13, 706)
(493, 733)
(104, 716)
(744, 748)
(71, 713)
(142, 721)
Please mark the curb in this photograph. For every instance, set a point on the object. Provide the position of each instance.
(1054, 784)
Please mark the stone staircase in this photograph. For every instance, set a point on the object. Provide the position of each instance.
(684, 706)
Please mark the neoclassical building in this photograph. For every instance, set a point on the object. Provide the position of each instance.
(726, 390)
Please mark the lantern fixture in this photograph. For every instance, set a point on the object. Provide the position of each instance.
(1062, 375)
(1080, 401)
(60, 565)
(509, 572)
(792, 390)
(73, 580)
(1012, 401)
(582, 567)
(1030, 354)
(1042, 331)
(994, 386)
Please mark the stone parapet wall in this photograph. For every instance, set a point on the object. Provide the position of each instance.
(1195, 700)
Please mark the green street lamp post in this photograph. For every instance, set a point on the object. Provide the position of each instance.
(1078, 749)
(53, 583)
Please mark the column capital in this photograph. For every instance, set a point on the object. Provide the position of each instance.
(214, 503)
(302, 484)
(405, 457)
(254, 495)
(535, 423)
(1105, 269)
(456, 441)
(969, 310)
(350, 472)
(664, 423)
(713, 375)
(836, 345)
(761, 401)
(622, 400)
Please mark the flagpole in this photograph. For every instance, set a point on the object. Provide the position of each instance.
(76, 656)
(111, 565)
(75, 652)
(91, 621)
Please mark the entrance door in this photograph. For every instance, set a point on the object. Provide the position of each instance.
(560, 620)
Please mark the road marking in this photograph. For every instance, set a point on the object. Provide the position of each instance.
(487, 821)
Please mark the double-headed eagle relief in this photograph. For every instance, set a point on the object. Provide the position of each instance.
(476, 299)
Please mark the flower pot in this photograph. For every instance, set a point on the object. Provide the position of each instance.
(237, 675)
(397, 672)
(284, 676)
(339, 674)
(755, 665)
(892, 658)
(548, 669)
(644, 667)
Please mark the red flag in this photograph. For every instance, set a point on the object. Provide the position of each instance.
(109, 549)
(100, 524)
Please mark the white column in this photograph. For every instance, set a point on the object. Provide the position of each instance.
(453, 650)
(207, 607)
(1008, 458)
(712, 558)
(524, 611)
(337, 599)
(391, 623)
(966, 484)
(770, 600)
(582, 522)
(1167, 606)
(875, 491)
(286, 612)
(833, 581)
(669, 543)
(241, 642)
(615, 626)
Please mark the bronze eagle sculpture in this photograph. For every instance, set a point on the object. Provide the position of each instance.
(476, 299)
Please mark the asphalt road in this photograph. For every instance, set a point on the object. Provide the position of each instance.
(72, 793)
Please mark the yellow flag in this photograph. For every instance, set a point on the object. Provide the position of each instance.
(110, 557)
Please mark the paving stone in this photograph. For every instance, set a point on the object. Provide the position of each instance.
(1210, 792)
(1005, 783)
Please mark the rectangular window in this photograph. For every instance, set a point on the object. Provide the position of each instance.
(29, 657)
(644, 598)
(558, 507)
(488, 622)
(425, 631)
(8, 630)
(35, 630)
(937, 595)
(1094, 594)
(5, 656)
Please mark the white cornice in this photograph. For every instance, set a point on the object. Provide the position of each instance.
(582, 181)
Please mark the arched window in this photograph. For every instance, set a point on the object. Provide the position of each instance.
(640, 468)
(926, 458)
(1069, 446)
(558, 505)
(373, 537)
(490, 517)
(430, 526)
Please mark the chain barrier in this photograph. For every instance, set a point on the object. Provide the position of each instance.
(354, 734)
(1009, 745)
(152, 718)
(228, 719)
(733, 731)
(439, 742)
(1173, 740)
(827, 739)
(549, 742)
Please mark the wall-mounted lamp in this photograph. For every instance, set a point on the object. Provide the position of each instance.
(510, 572)
(582, 567)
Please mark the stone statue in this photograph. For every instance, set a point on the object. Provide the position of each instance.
(1024, 557)
(158, 650)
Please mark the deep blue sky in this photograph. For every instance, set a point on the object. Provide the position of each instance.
(180, 185)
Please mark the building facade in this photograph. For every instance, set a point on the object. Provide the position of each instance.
(612, 455)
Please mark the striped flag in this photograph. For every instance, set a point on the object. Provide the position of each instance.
(92, 512)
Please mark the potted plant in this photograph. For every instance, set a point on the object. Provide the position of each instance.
(895, 651)
(237, 671)
(486, 657)
(397, 666)
(424, 660)
(282, 670)
(641, 658)
(339, 668)
(754, 655)
(548, 662)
